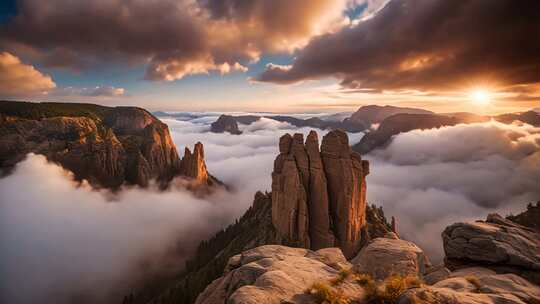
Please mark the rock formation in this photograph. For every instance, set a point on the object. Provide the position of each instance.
(319, 197)
(107, 146)
(497, 243)
(225, 123)
(276, 274)
(401, 123)
(374, 114)
(390, 255)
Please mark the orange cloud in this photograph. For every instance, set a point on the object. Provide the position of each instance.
(17, 78)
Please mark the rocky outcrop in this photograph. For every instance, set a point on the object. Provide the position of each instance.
(476, 285)
(276, 274)
(319, 197)
(225, 123)
(497, 244)
(390, 255)
(401, 123)
(107, 146)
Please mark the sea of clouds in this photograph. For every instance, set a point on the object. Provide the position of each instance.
(65, 242)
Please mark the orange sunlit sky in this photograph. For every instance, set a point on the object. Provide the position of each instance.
(279, 56)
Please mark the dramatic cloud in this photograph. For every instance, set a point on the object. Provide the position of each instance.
(17, 78)
(432, 178)
(426, 45)
(176, 38)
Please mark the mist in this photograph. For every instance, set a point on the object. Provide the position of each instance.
(63, 242)
(430, 179)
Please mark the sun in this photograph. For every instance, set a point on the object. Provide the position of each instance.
(480, 97)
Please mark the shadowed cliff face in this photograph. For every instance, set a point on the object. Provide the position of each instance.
(319, 198)
(108, 147)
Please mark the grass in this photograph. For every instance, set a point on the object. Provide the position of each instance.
(342, 276)
(390, 290)
(474, 281)
(325, 294)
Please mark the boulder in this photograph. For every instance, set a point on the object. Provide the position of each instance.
(275, 274)
(387, 256)
(477, 285)
(496, 243)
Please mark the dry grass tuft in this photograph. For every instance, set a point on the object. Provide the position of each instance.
(342, 276)
(324, 294)
(389, 291)
(474, 280)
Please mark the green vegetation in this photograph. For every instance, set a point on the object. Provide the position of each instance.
(33, 110)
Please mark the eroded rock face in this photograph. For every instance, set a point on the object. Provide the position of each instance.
(276, 274)
(476, 285)
(390, 255)
(496, 243)
(319, 197)
(225, 123)
(107, 146)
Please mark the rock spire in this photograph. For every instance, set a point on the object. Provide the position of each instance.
(319, 196)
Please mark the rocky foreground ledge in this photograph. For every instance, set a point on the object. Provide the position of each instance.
(387, 270)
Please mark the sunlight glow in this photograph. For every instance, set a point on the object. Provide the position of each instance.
(480, 97)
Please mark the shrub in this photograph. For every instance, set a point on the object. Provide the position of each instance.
(389, 291)
(342, 276)
(324, 294)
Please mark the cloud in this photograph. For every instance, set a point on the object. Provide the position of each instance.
(67, 244)
(174, 38)
(79, 242)
(17, 78)
(426, 45)
(430, 179)
(98, 91)
(63, 243)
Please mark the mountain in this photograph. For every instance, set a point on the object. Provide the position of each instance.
(339, 217)
(106, 146)
(227, 123)
(374, 114)
(529, 117)
(503, 267)
(401, 123)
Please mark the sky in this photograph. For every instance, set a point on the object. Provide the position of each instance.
(279, 56)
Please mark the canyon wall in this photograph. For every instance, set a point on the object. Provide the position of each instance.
(108, 147)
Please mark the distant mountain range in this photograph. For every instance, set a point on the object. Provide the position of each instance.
(380, 123)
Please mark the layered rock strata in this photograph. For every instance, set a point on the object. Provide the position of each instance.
(319, 196)
(497, 243)
(106, 146)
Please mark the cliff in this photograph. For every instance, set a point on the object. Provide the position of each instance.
(107, 146)
(319, 197)
(401, 123)
(374, 114)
